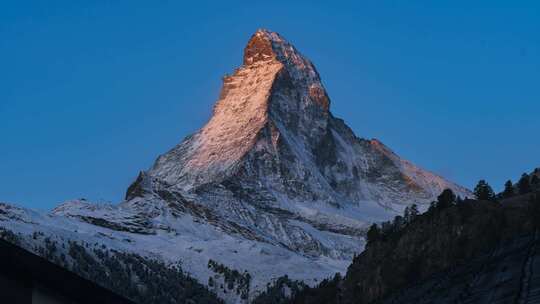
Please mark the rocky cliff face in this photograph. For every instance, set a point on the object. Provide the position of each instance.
(273, 176)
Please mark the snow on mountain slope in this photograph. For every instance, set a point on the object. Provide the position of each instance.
(273, 184)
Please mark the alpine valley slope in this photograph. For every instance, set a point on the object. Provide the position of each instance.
(272, 185)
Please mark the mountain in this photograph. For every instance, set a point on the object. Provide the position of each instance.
(272, 132)
(272, 185)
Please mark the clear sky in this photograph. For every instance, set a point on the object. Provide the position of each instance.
(92, 93)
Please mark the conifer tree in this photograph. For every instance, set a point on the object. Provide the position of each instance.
(446, 199)
(483, 191)
(410, 213)
(373, 234)
(524, 184)
(407, 214)
(535, 180)
(398, 223)
(414, 211)
(508, 189)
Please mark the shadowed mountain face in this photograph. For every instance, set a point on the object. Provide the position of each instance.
(272, 176)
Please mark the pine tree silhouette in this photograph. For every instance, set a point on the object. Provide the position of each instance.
(524, 184)
(483, 191)
(508, 189)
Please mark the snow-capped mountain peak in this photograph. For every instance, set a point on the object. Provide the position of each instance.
(272, 125)
(273, 176)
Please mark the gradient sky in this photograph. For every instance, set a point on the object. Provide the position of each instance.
(92, 93)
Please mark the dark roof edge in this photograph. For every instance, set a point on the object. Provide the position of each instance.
(32, 269)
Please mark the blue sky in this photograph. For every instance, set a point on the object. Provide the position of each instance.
(92, 93)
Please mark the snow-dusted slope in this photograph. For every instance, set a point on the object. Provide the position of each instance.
(273, 184)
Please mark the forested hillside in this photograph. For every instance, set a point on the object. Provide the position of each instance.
(480, 250)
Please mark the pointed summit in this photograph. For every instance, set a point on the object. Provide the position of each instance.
(272, 132)
(268, 46)
(259, 47)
